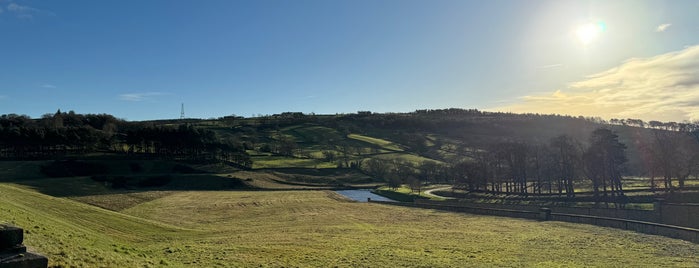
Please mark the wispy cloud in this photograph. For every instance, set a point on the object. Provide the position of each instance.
(3, 97)
(48, 86)
(663, 87)
(26, 12)
(140, 96)
(22, 12)
(550, 66)
(662, 27)
(17, 8)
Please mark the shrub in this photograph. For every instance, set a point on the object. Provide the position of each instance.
(266, 148)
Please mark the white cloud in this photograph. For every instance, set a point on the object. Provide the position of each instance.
(663, 87)
(662, 27)
(48, 86)
(551, 66)
(140, 96)
(2, 97)
(18, 8)
(27, 12)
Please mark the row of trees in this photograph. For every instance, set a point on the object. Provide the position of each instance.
(22, 137)
(558, 167)
(671, 156)
(672, 126)
(70, 133)
(184, 143)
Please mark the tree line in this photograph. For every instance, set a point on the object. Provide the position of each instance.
(562, 166)
(61, 134)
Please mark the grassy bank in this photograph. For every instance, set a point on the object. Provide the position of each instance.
(312, 228)
(405, 194)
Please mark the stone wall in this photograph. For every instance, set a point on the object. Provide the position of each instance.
(631, 214)
(564, 214)
(679, 214)
(676, 214)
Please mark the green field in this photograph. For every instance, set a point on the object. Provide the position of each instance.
(415, 160)
(387, 145)
(309, 228)
(405, 194)
(273, 161)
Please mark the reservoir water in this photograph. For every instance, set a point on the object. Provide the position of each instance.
(361, 195)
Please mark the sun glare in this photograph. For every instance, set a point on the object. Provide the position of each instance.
(589, 32)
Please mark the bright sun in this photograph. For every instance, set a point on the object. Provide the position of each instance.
(589, 32)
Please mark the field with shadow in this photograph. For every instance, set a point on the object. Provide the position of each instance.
(309, 228)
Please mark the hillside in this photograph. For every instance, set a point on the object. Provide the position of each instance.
(311, 228)
(130, 196)
(480, 151)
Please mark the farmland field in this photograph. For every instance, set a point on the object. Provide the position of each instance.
(309, 228)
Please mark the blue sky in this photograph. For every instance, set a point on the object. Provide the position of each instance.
(141, 59)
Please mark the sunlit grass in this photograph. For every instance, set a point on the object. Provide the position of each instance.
(314, 228)
(404, 193)
(415, 160)
(271, 161)
(376, 141)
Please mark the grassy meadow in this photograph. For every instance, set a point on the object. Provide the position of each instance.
(282, 213)
(308, 228)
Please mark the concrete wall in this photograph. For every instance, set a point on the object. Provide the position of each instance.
(467, 209)
(631, 214)
(679, 214)
(671, 231)
(569, 215)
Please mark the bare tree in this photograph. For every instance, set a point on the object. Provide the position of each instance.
(428, 170)
(604, 160)
(377, 168)
(674, 155)
(566, 154)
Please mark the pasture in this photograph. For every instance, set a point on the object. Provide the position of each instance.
(308, 228)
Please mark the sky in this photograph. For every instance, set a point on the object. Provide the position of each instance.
(141, 60)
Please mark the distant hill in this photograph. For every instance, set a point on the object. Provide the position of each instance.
(425, 145)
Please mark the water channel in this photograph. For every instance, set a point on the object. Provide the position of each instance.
(361, 195)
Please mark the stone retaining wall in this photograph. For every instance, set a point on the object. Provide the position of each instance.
(631, 214)
(13, 254)
(680, 214)
(536, 212)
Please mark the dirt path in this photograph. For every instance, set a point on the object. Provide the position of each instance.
(429, 192)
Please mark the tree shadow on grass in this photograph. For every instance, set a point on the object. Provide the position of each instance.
(76, 178)
(86, 186)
